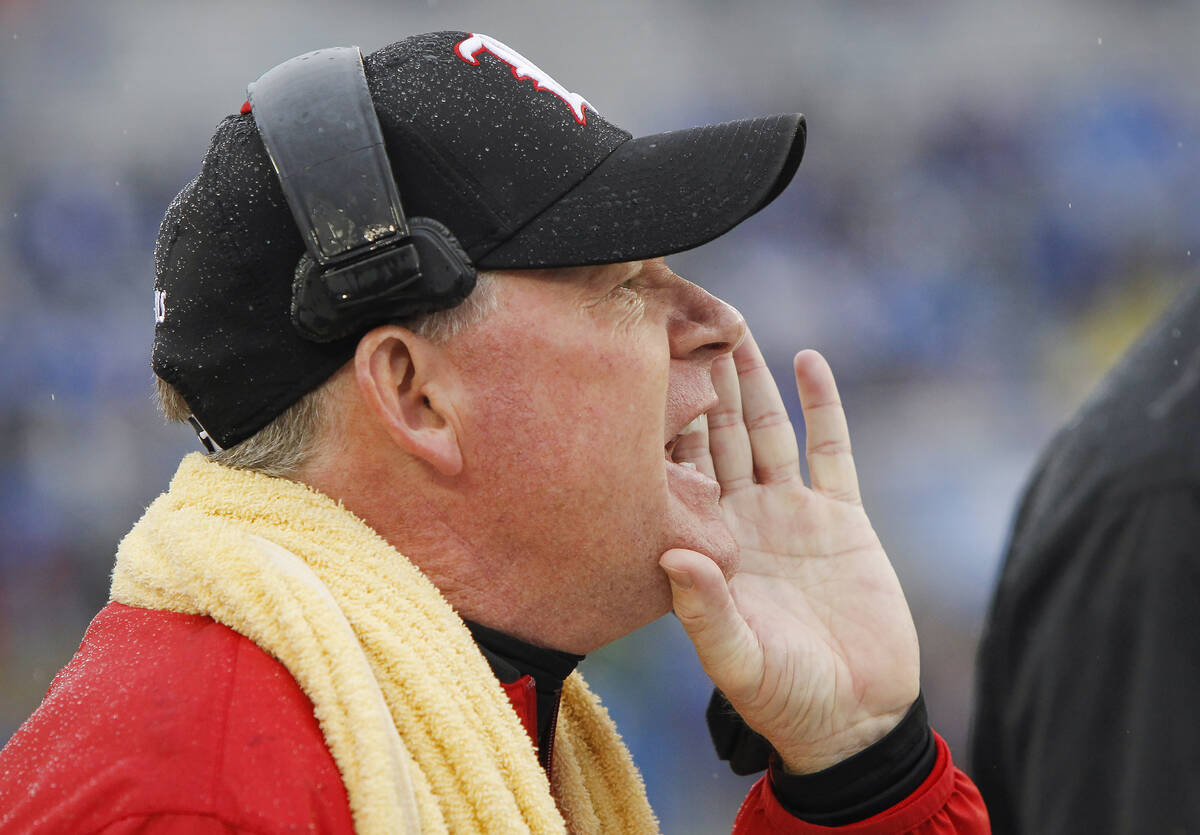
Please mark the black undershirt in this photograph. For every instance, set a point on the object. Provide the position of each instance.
(855, 789)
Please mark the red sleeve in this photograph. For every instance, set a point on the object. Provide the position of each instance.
(947, 802)
(166, 723)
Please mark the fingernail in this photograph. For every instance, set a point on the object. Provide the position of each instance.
(679, 578)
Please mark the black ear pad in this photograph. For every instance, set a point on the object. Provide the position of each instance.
(312, 314)
(428, 272)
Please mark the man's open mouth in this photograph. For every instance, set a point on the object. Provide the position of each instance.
(670, 453)
(672, 446)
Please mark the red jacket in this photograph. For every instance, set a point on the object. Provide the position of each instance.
(168, 723)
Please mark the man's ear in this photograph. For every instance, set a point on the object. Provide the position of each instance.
(407, 383)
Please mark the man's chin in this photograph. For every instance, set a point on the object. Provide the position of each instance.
(719, 546)
(700, 526)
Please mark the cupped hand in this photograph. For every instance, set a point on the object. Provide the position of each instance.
(811, 641)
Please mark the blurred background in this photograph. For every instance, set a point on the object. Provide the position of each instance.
(995, 199)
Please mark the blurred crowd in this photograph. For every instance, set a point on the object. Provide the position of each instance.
(993, 203)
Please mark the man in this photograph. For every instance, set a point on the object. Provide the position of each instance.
(1090, 667)
(465, 440)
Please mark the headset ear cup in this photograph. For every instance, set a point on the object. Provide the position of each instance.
(431, 273)
(448, 276)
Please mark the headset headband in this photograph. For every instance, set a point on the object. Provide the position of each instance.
(365, 262)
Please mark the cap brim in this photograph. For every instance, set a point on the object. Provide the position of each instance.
(660, 194)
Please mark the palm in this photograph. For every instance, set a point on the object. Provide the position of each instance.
(818, 651)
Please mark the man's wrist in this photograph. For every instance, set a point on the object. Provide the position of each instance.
(809, 760)
(866, 783)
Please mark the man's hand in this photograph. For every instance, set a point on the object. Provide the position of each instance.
(812, 641)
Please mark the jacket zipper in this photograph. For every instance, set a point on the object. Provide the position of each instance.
(550, 739)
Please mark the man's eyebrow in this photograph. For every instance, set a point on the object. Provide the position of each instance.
(634, 269)
(603, 275)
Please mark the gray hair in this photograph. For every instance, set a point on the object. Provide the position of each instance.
(285, 444)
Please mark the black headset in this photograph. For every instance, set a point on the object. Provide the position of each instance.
(365, 262)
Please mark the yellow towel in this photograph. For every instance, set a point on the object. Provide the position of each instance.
(421, 731)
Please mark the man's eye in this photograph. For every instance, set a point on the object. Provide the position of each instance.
(629, 295)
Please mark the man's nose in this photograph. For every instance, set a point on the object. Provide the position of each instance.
(702, 326)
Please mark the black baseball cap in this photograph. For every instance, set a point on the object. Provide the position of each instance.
(523, 172)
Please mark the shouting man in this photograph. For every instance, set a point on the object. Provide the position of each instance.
(464, 426)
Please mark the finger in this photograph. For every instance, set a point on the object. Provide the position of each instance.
(728, 441)
(772, 436)
(725, 645)
(692, 447)
(827, 448)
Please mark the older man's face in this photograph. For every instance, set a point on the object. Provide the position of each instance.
(577, 388)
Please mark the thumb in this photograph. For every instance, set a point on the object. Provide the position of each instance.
(726, 646)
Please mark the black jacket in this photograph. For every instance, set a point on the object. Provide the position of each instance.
(1089, 671)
